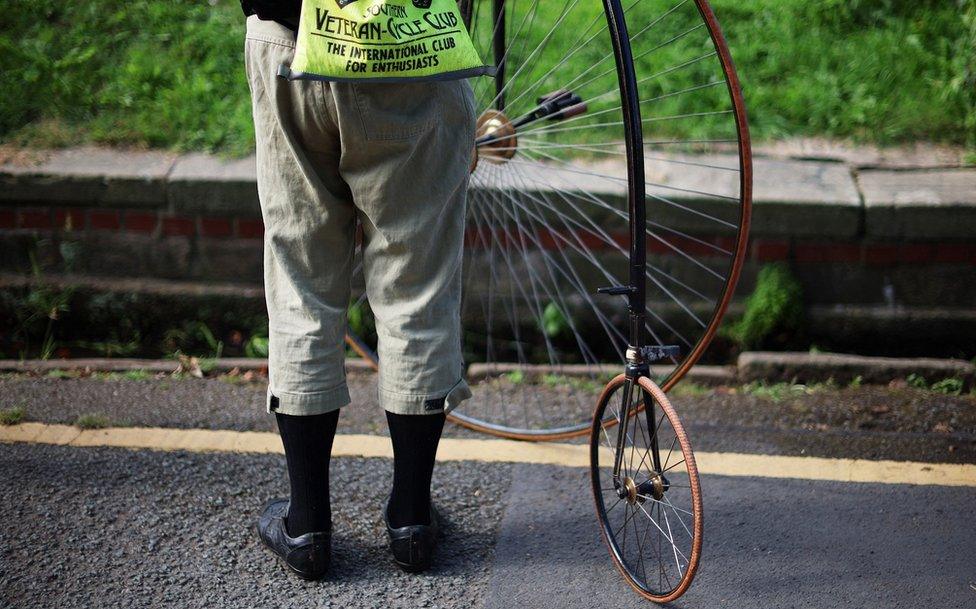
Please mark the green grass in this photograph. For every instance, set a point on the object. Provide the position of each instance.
(778, 392)
(63, 374)
(162, 74)
(690, 389)
(515, 377)
(92, 421)
(170, 74)
(137, 375)
(12, 416)
(573, 382)
(876, 70)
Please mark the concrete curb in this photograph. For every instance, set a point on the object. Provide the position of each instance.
(108, 364)
(751, 366)
(813, 367)
(703, 375)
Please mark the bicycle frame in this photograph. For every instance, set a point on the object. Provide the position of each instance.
(636, 291)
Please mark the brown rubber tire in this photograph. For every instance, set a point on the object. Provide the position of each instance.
(598, 424)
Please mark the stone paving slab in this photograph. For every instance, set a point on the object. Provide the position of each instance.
(791, 198)
(697, 193)
(919, 155)
(90, 176)
(206, 184)
(805, 199)
(920, 204)
(794, 197)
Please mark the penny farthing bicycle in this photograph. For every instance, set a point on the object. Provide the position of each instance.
(608, 212)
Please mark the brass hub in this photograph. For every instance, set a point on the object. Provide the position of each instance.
(502, 142)
(657, 487)
(630, 488)
(638, 493)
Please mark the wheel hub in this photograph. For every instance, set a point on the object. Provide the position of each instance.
(628, 490)
(495, 138)
(654, 487)
(634, 493)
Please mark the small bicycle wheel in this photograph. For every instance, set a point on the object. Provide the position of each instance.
(651, 514)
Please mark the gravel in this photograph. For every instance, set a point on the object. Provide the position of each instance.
(120, 528)
(874, 422)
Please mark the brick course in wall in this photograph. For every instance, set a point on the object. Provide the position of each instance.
(75, 223)
(67, 220)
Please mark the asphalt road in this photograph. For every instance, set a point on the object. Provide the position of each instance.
(109, 527)
(768, 543)
(104, 527)
(119, 528)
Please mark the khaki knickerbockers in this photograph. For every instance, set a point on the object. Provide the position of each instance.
(396, 158)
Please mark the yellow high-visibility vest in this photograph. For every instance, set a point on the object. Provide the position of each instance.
(383, 40)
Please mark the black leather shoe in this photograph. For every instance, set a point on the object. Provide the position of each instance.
(413, 546)
(307, 555)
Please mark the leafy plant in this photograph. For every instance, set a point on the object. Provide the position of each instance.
(216, 346)
(109, 348)
(948, 386)
(256, 346)
(38, 311)
(917, 381)
(359, 318)
(776, 305)
(554, 321)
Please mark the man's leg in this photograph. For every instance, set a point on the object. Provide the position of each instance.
(309, 243)
(308, 447)
(415, 439)
(406, 158)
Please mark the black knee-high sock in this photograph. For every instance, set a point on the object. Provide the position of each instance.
(308, 447)
(415, 439)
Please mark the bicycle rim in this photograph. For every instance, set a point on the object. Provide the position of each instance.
(653, 525)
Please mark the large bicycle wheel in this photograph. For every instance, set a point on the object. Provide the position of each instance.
(651, 514)
(547, 203)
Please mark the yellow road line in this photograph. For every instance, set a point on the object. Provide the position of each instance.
(498, 451)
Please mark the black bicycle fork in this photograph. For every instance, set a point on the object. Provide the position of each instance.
(638, 356)
(638, 365)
